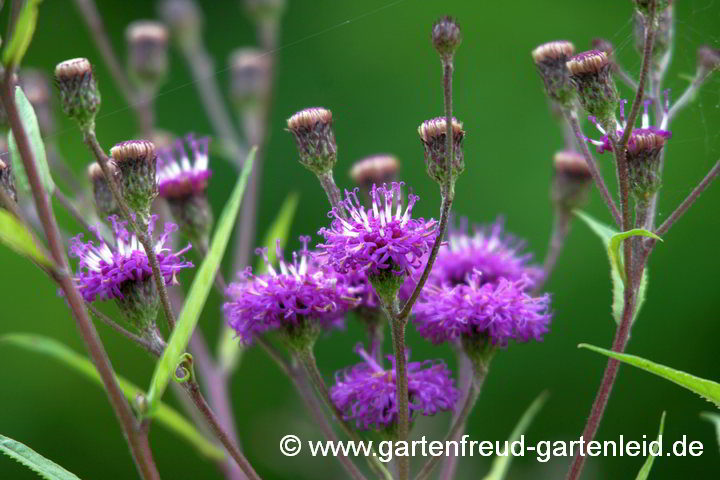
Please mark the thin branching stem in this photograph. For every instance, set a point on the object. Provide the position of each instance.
(560, 230)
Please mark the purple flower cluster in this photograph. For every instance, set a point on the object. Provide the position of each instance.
(366, 392)
(501, 310)
(301, 290)
(381, 238)
(177, 175)
(104, 269)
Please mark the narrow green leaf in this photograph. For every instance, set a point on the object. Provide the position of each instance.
(199, 291)
(28, 457)
(501, 464)
(228, 349)
(29, 121)
(23, 33)
(713, 418)
(163, 414)
(14, 234)
(707, 389)
(606, 235)
(614, 247)
(644, 472)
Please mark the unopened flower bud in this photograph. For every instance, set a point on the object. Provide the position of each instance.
(7, 181)
(147, 53)
(433, 135)
(184, 19)
(374, 170)
(571, 180)
(446, 37)
(265, 10)
(37, 90)
(643, 158)
(590, 73)
(140, 303)
(136, 161)
(708, 58)
(79, 95)
(105, 203)
(550, 59)
(315, 139)
(249, 77)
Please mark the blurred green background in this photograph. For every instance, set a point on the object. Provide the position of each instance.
(371, 62)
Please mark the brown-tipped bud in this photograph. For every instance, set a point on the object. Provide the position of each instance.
(265, 10)
(590, 72)
(184, 19)
(79, 95)
(708, 58)
(446, 37)
(7, 181)
(36, 86)
(249, 77)
(315, 139)
(147, 53)
(376, 169)
(643, 157)
(550, 59)
(571, 180)
(105, 203)
(137, 162)
(433, 135)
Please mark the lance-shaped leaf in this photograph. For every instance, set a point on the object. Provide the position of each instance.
(228, 348)
(199, 291)
(14, 234)
(23, 33)
(163, 414)
(28, 457)
(617, 240)
(707, 389)
(644, 472)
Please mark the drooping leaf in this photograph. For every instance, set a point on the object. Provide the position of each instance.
(617, 240)
(606, 235)
(644, 472)
(199, 291)
(14, 234)
(229, 351)
(501, 464)
(163, 414)
(28, 457)
(707, 389)
(713, 418)
(29, 121)
(23, 33)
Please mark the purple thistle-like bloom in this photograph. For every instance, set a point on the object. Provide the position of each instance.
(177, 174)
(103, 270)
(500, 310)
(380, 238)
(366, 394)
(638, 135)
(301, 290)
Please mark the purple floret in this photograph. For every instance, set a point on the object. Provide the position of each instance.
(501, 311)
(301, 290)
(177, 174)
(380, 238)
(104, 269)
(365, 392)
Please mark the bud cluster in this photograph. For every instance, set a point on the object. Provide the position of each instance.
(550, 59)
(315, 139)
(433, 135)
(590, 72)
(79, 95)
(136, 162)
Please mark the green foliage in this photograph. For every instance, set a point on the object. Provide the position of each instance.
(199, 291)
(14, 234)
(713, 418)
(163, 414)
(28, 457)
(612, 239)
(228, 350)
(644, 472)
(707, 389)
(23, 33)
(614, 247)
(29, 121)
(501, 465)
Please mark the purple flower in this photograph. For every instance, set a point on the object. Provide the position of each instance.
(103, 270)
(638, 134)
(366, 392)
(380, 238)
(500, 310)
(177, 175)
(301, 290)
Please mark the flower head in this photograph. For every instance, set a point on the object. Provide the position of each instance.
(103, 269)
(446, 37)
(137, 162)
(79, 95)
(591, 74)
(301, 291)
(499, 311)
(315, 139)
(178, 175)
(550, 59)
(382, 239)
(366, 392)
